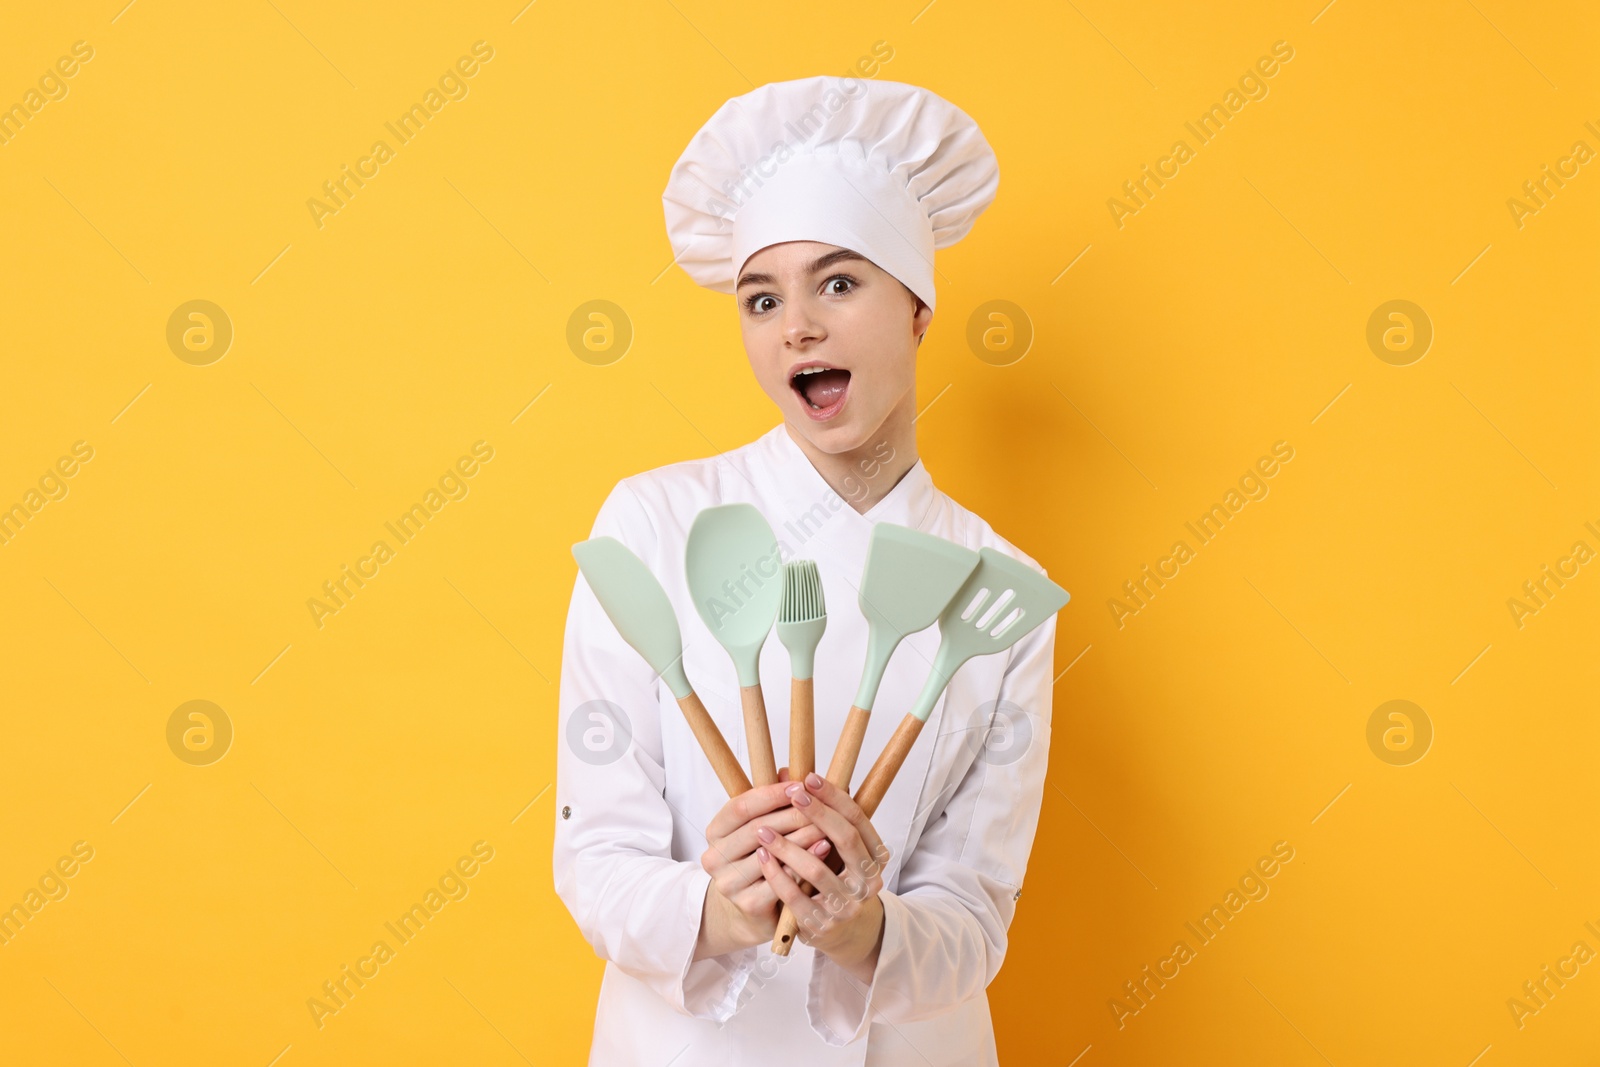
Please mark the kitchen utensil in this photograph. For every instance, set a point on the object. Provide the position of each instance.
(1003, 600)
(909, 578)
(736, 581)
(638, 607)
(801, 620)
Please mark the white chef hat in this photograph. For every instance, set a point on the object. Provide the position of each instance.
(888, 170)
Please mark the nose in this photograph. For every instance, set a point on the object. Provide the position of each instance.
(800, 327)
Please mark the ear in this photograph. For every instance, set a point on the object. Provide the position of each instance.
(921, 320)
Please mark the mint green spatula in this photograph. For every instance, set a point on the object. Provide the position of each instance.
(637, 605)
(909, 578)
(1003, 601)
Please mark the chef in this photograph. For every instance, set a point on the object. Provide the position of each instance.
(818, 203)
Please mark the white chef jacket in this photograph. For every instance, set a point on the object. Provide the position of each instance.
(633, 799)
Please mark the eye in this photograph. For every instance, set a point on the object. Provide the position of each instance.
(828, 286)
(752, 303)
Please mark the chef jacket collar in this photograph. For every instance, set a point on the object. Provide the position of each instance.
(810, 500)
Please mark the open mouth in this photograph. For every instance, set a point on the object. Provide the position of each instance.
(821, 388)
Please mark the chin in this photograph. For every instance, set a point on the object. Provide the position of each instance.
(834, 438)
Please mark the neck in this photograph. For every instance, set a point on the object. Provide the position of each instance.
(865, 475)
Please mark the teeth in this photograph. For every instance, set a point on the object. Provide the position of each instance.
(811, 370)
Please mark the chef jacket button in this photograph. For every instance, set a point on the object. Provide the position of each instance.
(1017, 895)
(566, 811)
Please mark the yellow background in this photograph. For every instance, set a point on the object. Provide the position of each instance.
(370, 353)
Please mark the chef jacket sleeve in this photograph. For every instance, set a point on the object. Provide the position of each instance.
(635, 903)
(944, 934)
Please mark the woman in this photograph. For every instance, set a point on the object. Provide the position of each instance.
(819, 203)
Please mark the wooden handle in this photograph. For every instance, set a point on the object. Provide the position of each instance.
(840, 772)
(788, 926)
(714, 745)
(889, 762)
(845, 753)
(802, 729)
(726, 764)
(868, 796)
(758, 736)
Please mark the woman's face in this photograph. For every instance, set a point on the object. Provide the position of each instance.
(832, 339)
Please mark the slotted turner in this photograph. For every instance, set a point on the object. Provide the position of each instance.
(1002, 602)
(638, 607)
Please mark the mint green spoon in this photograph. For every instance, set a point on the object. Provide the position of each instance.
(736, 581)
(638, 607)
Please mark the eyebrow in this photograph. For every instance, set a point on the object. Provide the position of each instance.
(838, 255)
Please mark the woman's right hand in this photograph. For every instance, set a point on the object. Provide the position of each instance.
(741, 908)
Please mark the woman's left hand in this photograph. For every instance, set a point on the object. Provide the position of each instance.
(845, 918)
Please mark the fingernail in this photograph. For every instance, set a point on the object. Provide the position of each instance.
(764, 835)
(813, 781)
(820, 849)
(798, 796)
(763, 857)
